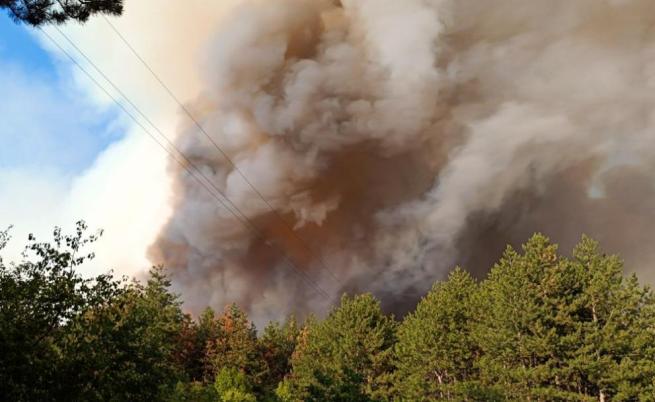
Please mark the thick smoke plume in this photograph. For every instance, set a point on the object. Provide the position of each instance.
(395, 139)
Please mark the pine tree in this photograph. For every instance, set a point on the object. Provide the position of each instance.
(194, 338)
(435, 354)
(346, 357)
(236, 347)
(515, 328)
(276, 345)
(551, 328)
(125, 349)
(615, 318)
(39, 12)
(193, 392)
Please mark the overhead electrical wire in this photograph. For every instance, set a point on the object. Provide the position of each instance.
(220, 150)
(243, 219)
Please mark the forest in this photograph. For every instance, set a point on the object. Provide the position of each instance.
(542, 326)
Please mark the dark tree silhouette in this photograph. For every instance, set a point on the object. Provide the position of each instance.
(40, 12)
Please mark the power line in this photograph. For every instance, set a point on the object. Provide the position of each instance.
(243, 218)
(240, 216)
(161, 134)
(223, 153)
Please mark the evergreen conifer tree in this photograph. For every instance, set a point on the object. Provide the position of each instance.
(435, 354)
(346, 357)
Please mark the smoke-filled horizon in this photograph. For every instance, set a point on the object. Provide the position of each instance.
(397, 139)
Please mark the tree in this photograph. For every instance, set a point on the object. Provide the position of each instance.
(236, 347)
(193, 392)
(551, 328)
(195, 337)
(435, 354)
(541, 327)
(276, 345)
(232, 385)
(614, 318)
(125, 350)
(345, 357)
(515, 329)
(39, 12)
(229, 342)
(39, 299)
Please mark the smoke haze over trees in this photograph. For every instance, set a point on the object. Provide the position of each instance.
(539, 327)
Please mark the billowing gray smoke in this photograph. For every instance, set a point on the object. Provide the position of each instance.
(397, 138)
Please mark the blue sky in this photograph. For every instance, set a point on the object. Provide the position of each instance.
(48, 122)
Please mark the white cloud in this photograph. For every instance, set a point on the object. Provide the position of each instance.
(46, 120)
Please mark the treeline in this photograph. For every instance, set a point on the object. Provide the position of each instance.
(540, 327)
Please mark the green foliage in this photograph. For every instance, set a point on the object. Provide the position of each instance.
(236, 346)
(39, 12)
(540, 327)
(193, 392)
(435, 354)
(194, 338)
(345, 357)
(515, 329)
(230, 341)
(40, 299)
(276, 346)
(285, 392)
(69, 338)
(133, 341)
(614, 319)
(551, 328)
(232, 385)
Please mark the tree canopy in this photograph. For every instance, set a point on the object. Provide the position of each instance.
(40, 12)
(539, 327)
(345, 357)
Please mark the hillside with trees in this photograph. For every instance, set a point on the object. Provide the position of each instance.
(539, 327)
